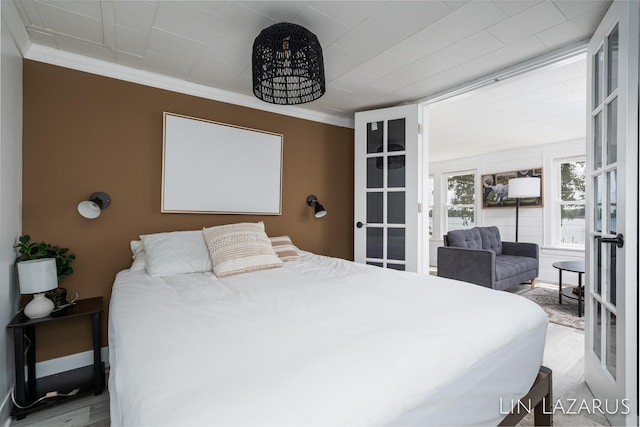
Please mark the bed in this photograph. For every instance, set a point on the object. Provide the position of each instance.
(320, 341)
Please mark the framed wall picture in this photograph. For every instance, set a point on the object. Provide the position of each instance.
(210, 167)
(495, 189)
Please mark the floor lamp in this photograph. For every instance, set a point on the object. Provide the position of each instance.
(520, 188)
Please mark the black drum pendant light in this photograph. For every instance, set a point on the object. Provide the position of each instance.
(287, 65)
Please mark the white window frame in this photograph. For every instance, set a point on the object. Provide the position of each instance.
(445, 197)
(556, 230)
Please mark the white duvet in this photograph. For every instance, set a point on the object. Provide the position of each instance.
(320, 342)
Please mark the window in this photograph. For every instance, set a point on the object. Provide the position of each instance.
(461, 201)
(571, 204)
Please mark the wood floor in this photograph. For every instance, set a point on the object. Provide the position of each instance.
(564, 355)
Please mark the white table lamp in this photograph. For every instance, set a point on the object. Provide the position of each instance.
(520, 188)
(37, 276)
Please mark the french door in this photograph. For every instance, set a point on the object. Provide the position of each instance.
(611, 342)
(389, 162)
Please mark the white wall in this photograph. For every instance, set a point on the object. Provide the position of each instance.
(534, 223)
(10, 202)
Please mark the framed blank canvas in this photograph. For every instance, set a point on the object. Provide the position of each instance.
(210, 167)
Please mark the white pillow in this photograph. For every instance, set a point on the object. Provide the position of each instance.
(176, 252)
(285, 249)
(240, 248)
(139, 256)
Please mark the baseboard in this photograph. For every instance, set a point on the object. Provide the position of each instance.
(65, 363)
(5, 411)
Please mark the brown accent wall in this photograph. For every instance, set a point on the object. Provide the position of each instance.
(85, 133)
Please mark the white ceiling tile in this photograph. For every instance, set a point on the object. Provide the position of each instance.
(574, 30)
(428, 66)
(350, 13)
(516, 52)
(327, 29)
(137, 15)
(456, 4)
(352, 81)
(186, 21)
(514, 7)
(528, 23)
(394, 81)
(230, 51)
(219, 8)
(468, 20)
(408, 17)
(382, 65)
(279, 11)
(451, 77)
(81, 47)
(129, 60)
(173, 46)
(367, 40)
(418, 46)
(210, 71)
(338, 61)
(472, 47)
(90, 9)
(243, 82)
(42, 38)
(131, 41)
(572, 9)
(169, 66)
(70, 23)
(29, 10)
(244, 24)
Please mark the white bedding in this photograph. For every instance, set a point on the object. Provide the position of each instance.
(321, 341)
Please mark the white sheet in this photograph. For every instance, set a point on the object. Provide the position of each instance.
(322, 341)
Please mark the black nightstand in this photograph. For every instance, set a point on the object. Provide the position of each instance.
(87, 379)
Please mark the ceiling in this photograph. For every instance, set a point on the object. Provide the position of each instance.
(376, 53)
(543, 106)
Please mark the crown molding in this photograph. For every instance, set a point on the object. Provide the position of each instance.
(121, 72)
(11, 17)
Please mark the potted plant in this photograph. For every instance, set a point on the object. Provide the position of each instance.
(29, 250)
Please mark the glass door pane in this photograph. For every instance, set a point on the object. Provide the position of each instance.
(386, 198)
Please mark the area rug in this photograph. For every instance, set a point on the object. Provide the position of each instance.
(565, 314)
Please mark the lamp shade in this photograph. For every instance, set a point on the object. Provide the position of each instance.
(89, 209)
(320, 211)
(524, 187)
(37, 275)
(92, 208)
(287, 65)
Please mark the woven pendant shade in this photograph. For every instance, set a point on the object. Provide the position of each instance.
(287, 65)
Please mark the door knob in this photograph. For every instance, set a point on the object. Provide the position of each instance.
(618, 240)
(360, 224)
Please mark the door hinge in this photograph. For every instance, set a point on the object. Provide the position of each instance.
(419, 128)
(419, 207)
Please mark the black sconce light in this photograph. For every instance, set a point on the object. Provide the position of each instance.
(319, 209)
(91, 208)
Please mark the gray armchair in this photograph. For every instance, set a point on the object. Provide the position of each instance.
(479, 256)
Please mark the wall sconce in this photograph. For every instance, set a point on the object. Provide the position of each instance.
(319, 209)
(91, 208)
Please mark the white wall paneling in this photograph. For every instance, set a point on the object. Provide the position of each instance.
(10, 199)
(534, 223)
